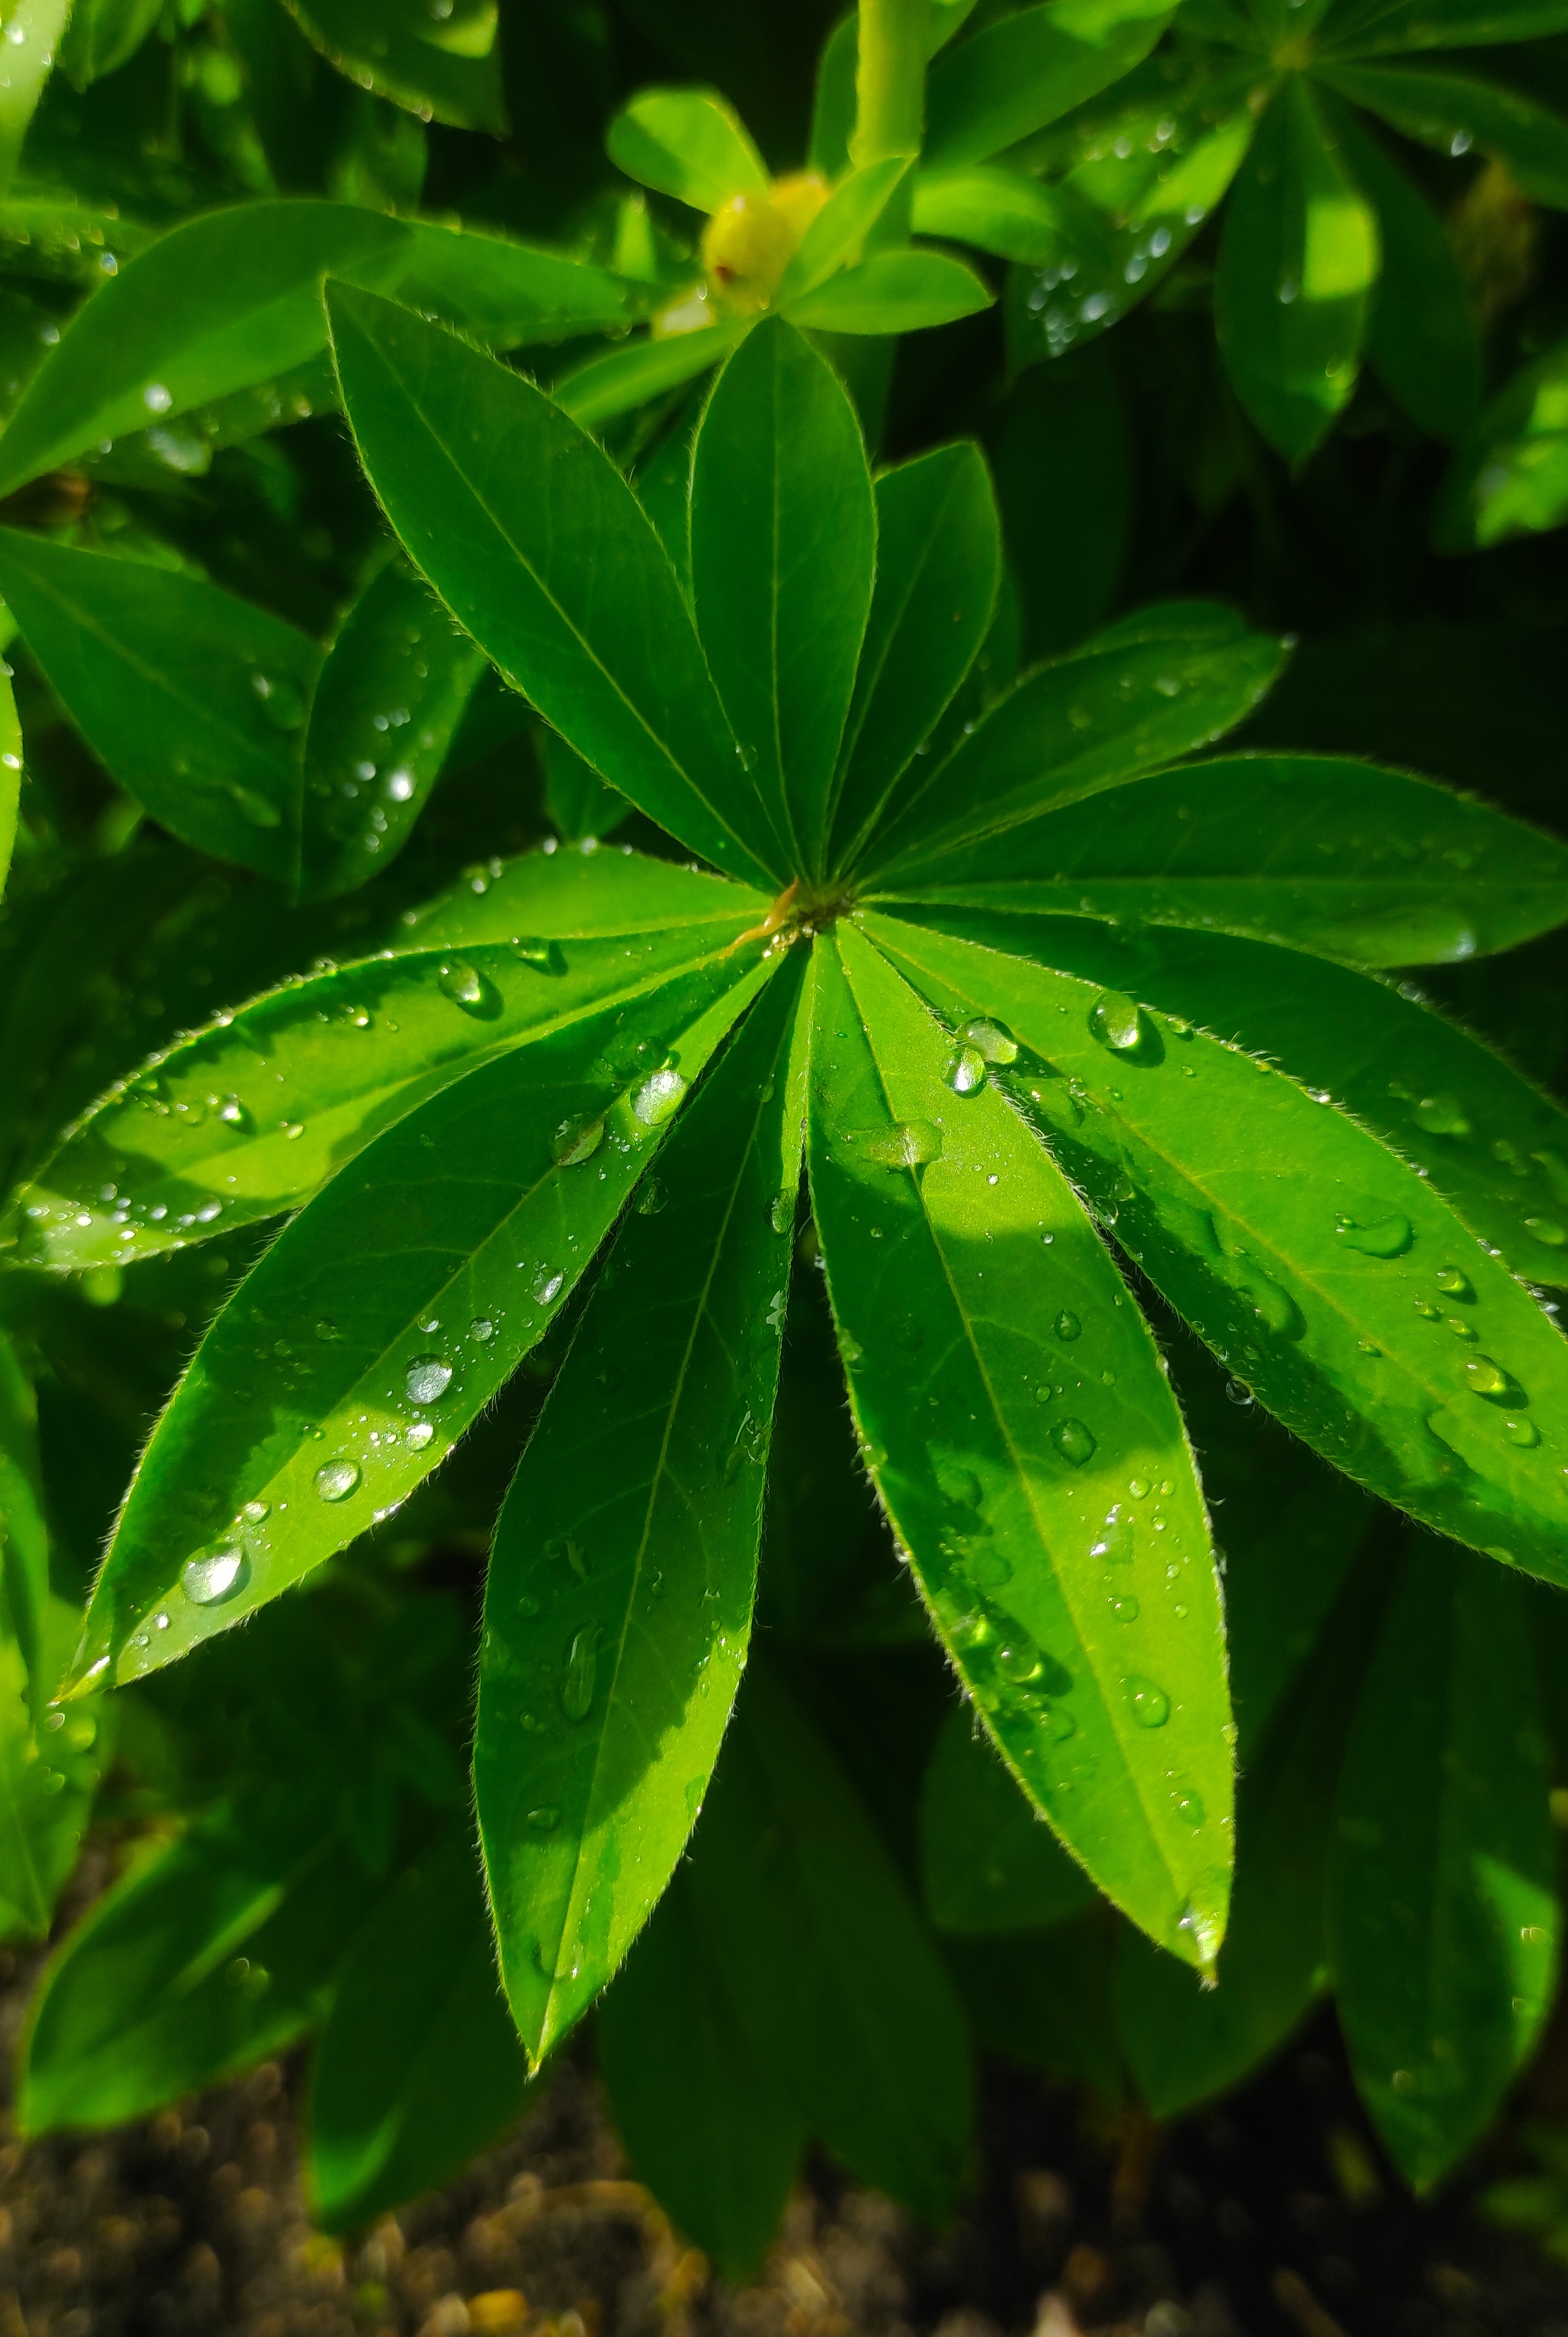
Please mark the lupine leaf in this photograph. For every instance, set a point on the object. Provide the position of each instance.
(1510, 476)
(24, 1531)
(834, 237)
(386, 1317)
(33, 29)
(938, 564)
(607, 387)
(1315, 1262)
(1443, 1908)
(392, 693)
(981, 1328)
(418, 2066)
(1316, 852)
(192, 698)
(1030, 68)
(1299, 257)
(508, 293)
(894, 291)
(687, 142)
(102, 34)
(988, 1864)
(541, 551)
(783, 546)
(10, 777)
(1375, 26)
(1131, 699)
(251, 1118)
(446, 66)
(617, 1606)
(576, 799)
(1455, 111)
(1423, 345)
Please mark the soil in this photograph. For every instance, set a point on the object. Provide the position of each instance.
(1272, 2216)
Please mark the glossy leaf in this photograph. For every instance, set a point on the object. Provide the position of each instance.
(1131, 699)
(1316, 1263)
(101, 36)
(1043, 2000)
(1299, 257)
(687, 142)
(507, 294)
(836, 1984)
(1255, 845)
(899, 291)
(1510, 476)
(988, 1864)
(609, 387)
(996, 208)
(191, 699)
(1443, 1907)
(252, 1117)
(709, 2122)
(422, 1293)
(783, 547)
(585, 893)
(445, 66)
(1423, 345)
(392, 692)
(836, 235)
(1454, 113)
(618, 1605)
(33, 29)
(541, 551)
(938, 565)
(197, 1963)
(219, 303)
(576, 799)
(978, 1324)
(10, 777)
(1031, 67)
(50, 1764)
(418, 2066)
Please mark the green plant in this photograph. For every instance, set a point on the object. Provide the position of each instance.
(946, 1028)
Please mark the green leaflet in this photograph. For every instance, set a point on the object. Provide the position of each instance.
(1131, 699)
(939, 564)
(783, 546)
(102, 34)
(1030, 68)
(1058, 1532)
(23, 1529)
(10, 777)
(447, 67)
(564, 895)
(617, 1606)
(202, 1961)
(997, 209)
(1453, 112)
(417, 2066)
(1315, 851)
(422, 1289)
(1377, 25)
(1183, 2043)
(1299, 256)
(687, 142)
(506, 294)
(543, 552)
(1443, 1912)
(1510, 476)
(894, 291)
(576, 799)
(190, 697)
(708, 2120)
(834, 1981)
(1422, 344)
(986, 1862)
(252, 1117)
(1319, 1267)
(216, 304)
(1042, 2000)
(836, 237)
(392, 692)
(607, 387)
(33, 33)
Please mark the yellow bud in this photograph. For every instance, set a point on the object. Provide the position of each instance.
(751, 240)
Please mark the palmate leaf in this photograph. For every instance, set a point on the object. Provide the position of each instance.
(1422, 344)
(1030, 68)
(541, 551)
(688, 144)
(900, 290)
(1056, 1528)
(1455, 111)
(617, 1606)
(1364, 28)
(250, 1117)
(784, 545)
(387, 1315)
(1444, 1918)
(446, 66)
(1314, 1261)
(1326, 854)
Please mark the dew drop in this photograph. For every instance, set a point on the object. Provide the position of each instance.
(582, 1671)
(1073, 1440)
(651, 1197)
(781, 1214)
(546, 1287)
(1114, 1022)
(1455, 1284)
(966, 1073)
(1441, 1115)
(991, 1039)
(659, 1097)
(482, 1329)
(1125, 1610)
(208, 1581)
(1484, 1375)
(1547, 1230)
(1388, 1236)
(1523, 1432)
(335, 1480)
(255, 1513)
(1068, 1326)
(545, 1819)
(1149, 1704)
(464, 984)
(419, 1435)
(908, 1144)
(1018, 1659)
(544, 957)
(1190, 1807)
(957, 1482)
(428, 1380)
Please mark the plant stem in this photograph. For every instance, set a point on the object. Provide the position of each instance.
(890, 80)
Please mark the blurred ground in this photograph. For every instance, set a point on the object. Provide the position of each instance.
(1270, 2218)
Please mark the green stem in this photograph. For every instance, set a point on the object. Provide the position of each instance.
(890, 80)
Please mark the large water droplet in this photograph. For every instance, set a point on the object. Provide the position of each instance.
(1125, 1607)
(1455, 1284)
(1523, 1432)
(335, 1480)
(908, 1144)
(208, 1581)
(659, 1097)
(582, 1670)
(1149, 1704)
(994, 1040)
(1073, 1440)
(781, 1214)
(547, 1285)
(1019, 1658)
(544, 957)
(1388, 1236)
(1441, 1115)
(465, 986)
(1114, 1022)
(577, 1140)
(966, 1073)
(419, 1435)
(1485, 1376)
(1068, 1326)
(428, 1380)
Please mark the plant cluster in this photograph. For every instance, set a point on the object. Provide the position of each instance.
(706, 1016)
